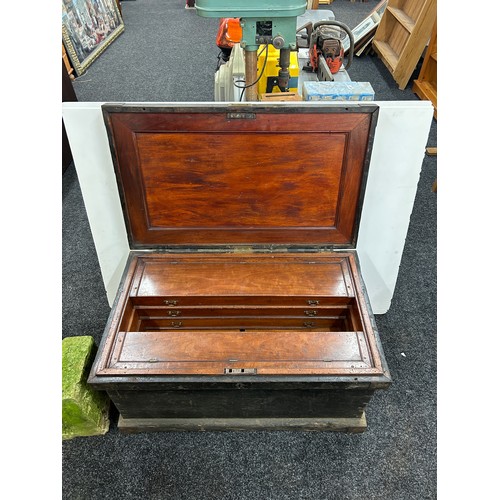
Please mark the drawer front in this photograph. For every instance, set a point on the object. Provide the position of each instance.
(243, 323)
(160, 312)
(227, 352)
(214, 301)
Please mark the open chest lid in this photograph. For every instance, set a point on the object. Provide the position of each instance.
(241, 174)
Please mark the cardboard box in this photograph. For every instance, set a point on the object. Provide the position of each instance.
(337, 91)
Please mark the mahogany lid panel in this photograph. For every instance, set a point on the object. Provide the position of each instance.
(261, 175)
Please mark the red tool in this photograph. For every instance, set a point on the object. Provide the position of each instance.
(325, 41)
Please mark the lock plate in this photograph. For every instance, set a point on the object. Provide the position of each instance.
(240, 371)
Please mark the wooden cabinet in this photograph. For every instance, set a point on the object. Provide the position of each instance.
(402, 36)
(242, 304)
(426, 84)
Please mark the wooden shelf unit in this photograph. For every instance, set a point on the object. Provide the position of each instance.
(426, 84)
(402, 35)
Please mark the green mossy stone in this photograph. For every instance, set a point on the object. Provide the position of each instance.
(84, 410)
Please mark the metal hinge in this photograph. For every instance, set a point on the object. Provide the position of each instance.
(246, 249)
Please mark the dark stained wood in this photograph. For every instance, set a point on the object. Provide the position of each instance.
(202, 177)
(350, 425)
(245, 402)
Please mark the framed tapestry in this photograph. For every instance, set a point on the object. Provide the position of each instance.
(88, 27)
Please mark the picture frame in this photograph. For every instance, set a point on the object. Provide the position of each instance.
(88, 28)
(365, 30)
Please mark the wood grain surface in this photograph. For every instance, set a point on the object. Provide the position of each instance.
(186, 277)
(266, 351)
(206, 177)
(198, 313)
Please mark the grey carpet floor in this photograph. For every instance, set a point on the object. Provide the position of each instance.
(168, 53)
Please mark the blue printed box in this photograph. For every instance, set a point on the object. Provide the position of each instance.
(337, 91)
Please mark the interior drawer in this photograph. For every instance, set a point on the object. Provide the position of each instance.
(245, 300)
(163, 312)
(337, 324)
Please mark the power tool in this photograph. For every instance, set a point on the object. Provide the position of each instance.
(262, 22)
(326, 52)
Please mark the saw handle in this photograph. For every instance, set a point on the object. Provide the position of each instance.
(308, 27)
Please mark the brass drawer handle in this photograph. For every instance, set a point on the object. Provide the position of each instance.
(313, 302)
(176, 324)
(174, 313)
(170, 302)
(309, 324)
(310, 313)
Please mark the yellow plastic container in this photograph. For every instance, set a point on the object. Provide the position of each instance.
(272, 68)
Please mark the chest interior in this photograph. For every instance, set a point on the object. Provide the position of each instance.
(261, 314)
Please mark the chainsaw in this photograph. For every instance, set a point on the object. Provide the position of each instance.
(326, 52)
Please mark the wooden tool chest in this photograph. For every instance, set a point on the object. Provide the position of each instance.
(242, 305)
